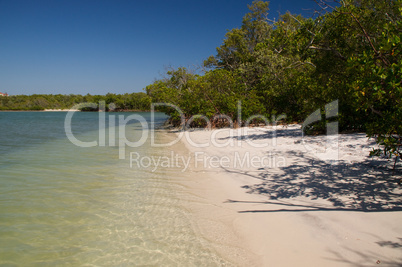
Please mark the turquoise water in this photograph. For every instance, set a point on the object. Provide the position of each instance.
(63, 205)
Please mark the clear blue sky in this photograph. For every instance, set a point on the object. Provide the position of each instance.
(96, 47)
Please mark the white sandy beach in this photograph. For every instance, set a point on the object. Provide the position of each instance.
(275, 200)
(60, 110)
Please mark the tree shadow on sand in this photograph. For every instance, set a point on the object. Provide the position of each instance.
(390, 244)
(360, 186)
(267, 134)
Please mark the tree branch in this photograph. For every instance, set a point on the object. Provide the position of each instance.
(369, 39)
(329, 49)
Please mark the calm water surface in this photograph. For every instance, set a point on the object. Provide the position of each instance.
(66, 205)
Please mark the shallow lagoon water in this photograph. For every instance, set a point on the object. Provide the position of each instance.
(66, 205)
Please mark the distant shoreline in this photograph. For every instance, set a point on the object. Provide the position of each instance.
(66, 110)
(35, 110)
(59, 110)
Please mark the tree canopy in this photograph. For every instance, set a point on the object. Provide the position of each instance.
(296, 65)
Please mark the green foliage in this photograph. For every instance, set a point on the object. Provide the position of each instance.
(296, 65)
(378, 88)
(215, 93)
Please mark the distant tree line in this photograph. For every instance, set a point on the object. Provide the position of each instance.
(121, 102)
